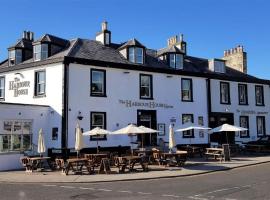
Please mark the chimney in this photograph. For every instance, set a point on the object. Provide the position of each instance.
(178, 42)
(105, 35)
(28, 35)
(236, 58)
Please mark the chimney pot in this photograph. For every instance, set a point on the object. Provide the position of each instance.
(104, 26)
(181, 37)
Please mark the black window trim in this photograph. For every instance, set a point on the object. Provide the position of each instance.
(247, 117)
(36, 95)
(259, 86)
(229, 93)
(105, 125)
(246, 93)
(134, 46)
(151, 87)
(257, 118)
(3, 98)
(192, 131)
(104, 82)
(191, 89)
(169, 60)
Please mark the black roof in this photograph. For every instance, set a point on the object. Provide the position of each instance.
(22, 43)
(52, 39)
(93, 52)
(170, 49)
(132, 42)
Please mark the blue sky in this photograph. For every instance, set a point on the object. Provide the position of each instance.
(209, 26)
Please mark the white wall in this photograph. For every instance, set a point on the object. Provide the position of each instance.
(125, 86)
(239, 110)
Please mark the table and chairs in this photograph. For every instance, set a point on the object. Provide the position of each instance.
(36, 163)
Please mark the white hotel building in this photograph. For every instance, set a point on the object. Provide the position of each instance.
(52, 83)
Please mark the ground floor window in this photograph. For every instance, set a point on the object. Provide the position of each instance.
(98, 119)
(16, 135)
(244, 122)
(260, 126)
(187, 118)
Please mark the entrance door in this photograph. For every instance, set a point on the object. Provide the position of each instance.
(217, 119)
(147, 118)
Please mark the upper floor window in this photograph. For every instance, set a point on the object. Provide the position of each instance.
(225, 93)
(98, 82)
(244, 122)
(261, 126)
(15, 57)
(242, 94)
(98, 119)
(2, 87)
(259, 95)
(186, 87)
(40, 83)
(40, 52)
(188, 118)
(135, 55)
(176, 61)
(146, 86)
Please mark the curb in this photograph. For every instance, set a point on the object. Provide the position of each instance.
(142, 179)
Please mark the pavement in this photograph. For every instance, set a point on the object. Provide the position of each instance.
(196, 166)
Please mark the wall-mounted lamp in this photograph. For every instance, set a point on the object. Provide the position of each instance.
(79, 117)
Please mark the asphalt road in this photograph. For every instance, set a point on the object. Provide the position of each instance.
(239, 184)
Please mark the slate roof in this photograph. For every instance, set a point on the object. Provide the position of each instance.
(132, 42)
(52, 39)
(170, 49)
(93, 52)
(22, 43)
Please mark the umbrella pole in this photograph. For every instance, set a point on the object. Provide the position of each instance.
(97, 145)
(227, 137)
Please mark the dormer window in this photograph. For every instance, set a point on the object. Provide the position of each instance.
(15, 57)
(135, 55)
(217, 65)
(40, 52)
(176, 61)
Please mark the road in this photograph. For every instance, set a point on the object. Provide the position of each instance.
(238, 184)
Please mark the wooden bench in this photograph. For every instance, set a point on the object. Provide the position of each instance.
(27, 164)
(216, 153)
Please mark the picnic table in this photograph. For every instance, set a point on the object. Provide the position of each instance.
(193, 150)
(215, 152)
(130, 161)
(77, 164)
(36, 163)
(179, 158)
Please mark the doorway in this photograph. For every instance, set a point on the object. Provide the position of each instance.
(148, 119)
(217, 119)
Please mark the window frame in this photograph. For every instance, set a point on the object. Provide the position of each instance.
(264, 127)
(246, 94)
(40, 52)
(229, 93)
(36, 93)
(175, 60)
(244, 132)
(3, 88)
(95, 94)
(134, 54)
(191, 89)
(256, 87)
(191, 132)
(151, 87)
(104, 137)
(16, 59)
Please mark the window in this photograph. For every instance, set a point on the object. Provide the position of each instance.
(186, 87)
(176, 61)
(146, 86)
(187, 118)
(40, 52)
(16, 136)
(15, 57)
(224, 93)
(135, 55)
(98, 119)
(244, 122)
(2, 87)
(40, 83)
(98, 82)
(259, 95)
(261, 126)
(242, 94)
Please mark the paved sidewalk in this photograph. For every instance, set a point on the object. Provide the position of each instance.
(192, 167)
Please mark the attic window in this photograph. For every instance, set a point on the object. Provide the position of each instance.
(40, 52)
(135, 55)
(176, 61)
(15, 57)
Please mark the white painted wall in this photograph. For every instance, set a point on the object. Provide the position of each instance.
(126, 87)
(238, 109)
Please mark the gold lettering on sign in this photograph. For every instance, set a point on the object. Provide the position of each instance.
(19, 87)
(152, 104)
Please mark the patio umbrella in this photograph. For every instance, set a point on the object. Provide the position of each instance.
(97, 132)
(78, 139)
(41, 143)
(227, 128)
(171, 138)
(148, 130)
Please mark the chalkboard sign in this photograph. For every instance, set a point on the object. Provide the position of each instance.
(226, 151)
(105, 166)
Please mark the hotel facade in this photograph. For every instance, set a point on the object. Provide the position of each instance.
(53, 83)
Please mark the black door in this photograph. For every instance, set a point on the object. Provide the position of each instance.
(217, 119)
(148, 119)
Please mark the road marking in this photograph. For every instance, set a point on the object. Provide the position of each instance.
(49, 185)
(65, 186)
(144, 193)
(84, 188)
(105, 190)
(123, 191)
(170, 195)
